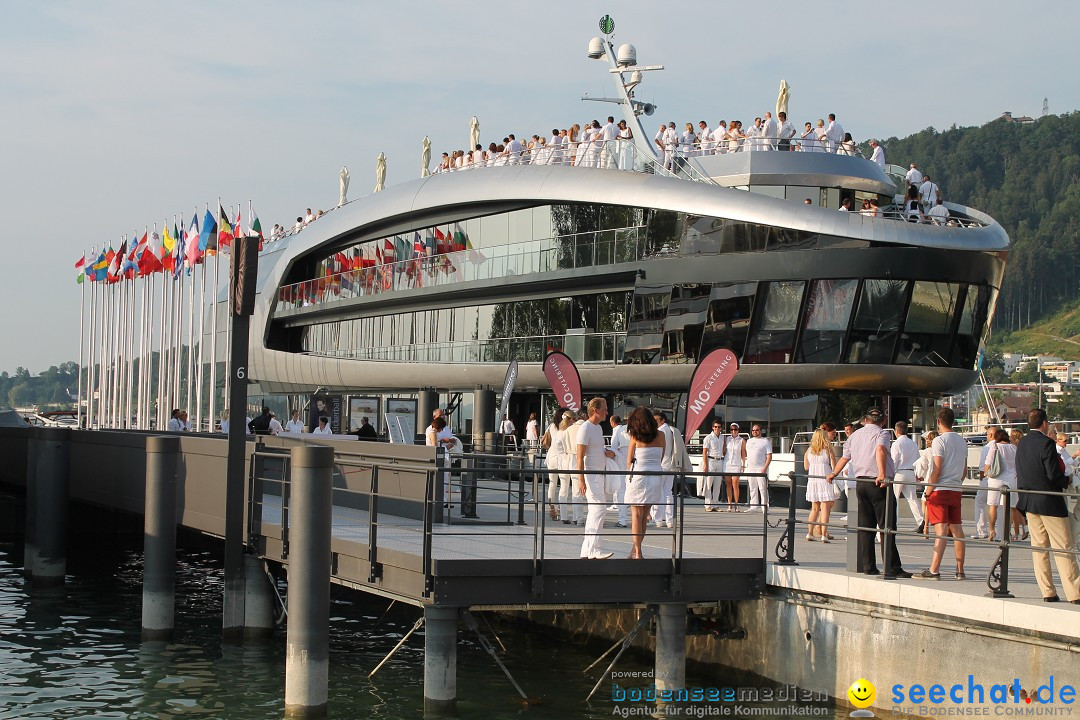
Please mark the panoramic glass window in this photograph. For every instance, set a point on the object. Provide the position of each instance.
(828, 311)
(645, 332)
(687, 313)
(773, 339)
(877, 321)
(730, 308)
(972, 321)
(926, 339)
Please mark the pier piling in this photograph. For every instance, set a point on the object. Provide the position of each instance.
(671, 646)
(159, 538)
(307, 653)
(50, 508)
(440, 660)
(30, 544)
(258, 601)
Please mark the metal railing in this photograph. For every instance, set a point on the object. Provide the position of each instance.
(562, 252)
(474, 484)
(586, 348)
(997, 580)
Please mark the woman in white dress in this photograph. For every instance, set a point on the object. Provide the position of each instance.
(923, 466)
(1019, 520)
(847, 147)
(820, 490)
(643, 458)
(532, 431)
(551, 462)
(1005, 451)
(735, 136)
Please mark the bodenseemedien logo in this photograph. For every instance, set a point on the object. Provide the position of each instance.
(862, 694)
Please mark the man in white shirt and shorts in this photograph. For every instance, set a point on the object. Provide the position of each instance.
(592, 454)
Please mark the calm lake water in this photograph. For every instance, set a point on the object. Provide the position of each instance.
(76, 653)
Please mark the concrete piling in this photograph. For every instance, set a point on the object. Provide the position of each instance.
(159, 538)
(50, 508)
(671, 646)
(307, 653)
(258, 601)
(440, 660)
(30, 544)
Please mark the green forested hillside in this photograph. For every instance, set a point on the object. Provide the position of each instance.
(1027, 177)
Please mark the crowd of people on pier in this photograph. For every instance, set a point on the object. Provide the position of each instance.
(1025, 472)
(604, 144)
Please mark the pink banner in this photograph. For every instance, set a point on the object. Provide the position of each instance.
(711, 378)
(562, 375)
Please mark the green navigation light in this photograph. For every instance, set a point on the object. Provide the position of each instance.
(607, 25)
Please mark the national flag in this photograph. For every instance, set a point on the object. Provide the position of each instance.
(225, 232)
(178, 256)
(401, 250)
(81, 266)
(430, 243)
(167, 242)
(458, 242)
(115, 262)
(99, 268)
(150, 260)
(191, 243)
(474, 255)
(208, 236)
(441, 243)
(255, 230)
(129, 266)
(389, 251)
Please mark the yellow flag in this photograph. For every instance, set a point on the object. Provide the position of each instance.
(168, 241)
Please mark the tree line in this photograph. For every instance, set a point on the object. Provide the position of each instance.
(56, 387)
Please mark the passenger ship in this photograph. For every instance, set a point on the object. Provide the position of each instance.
(635, 271)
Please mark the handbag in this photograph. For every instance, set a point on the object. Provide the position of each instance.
(995, 465)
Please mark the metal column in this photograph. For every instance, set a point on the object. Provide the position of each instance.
(440, 660)
(307, 652)
(159, 538)
(671, 647)
(49, 562)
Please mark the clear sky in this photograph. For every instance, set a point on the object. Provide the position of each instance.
(119, 113)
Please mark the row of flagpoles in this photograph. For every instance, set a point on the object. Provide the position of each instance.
(141, 325)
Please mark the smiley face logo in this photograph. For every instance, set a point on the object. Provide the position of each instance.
(862, 693)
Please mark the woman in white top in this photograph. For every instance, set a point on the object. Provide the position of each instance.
(847, 147)
(687, 141)
(735, 136)
(820, 491)
(1005, 452)
(570, 149)
(295, 425)
(324, 427)
(532, 431)
(734, 458)
(551, 462)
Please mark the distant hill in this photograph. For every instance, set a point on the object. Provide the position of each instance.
(1027, 177)
(1057, 334)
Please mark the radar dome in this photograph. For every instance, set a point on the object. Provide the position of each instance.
(596, 48)
(627, 54)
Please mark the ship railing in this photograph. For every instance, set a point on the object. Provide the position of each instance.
(586, 348)
(619, 154)
(563, 252)
(752, 143)
(897, 212)
(997, 580)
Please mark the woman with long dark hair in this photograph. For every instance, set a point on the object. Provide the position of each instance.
(643, 458)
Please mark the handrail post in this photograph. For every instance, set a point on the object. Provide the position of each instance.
(998, 579)
(785, 547)
(374, 571)
(429, 492)
(888, 545)
(520, 463)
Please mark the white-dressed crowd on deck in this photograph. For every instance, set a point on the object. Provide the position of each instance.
(599, 144)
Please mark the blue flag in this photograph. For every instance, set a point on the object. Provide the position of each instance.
(208, 236)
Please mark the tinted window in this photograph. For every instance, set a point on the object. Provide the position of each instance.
(926, 339)
(645, 332)
(877, 321)
(773, 338)
(728, 319)
(685, 322)
(828, 311)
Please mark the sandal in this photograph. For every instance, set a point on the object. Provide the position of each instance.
(810, 538)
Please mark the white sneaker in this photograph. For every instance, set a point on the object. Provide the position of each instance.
(669, 524)
(602, 555)
(613, 508)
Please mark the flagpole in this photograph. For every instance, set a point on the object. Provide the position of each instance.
(213, 327)
(177, 323)
(82, 313)
(202, 342)
(162, 326)
(227, 378)
(191, 342)
(90, 352)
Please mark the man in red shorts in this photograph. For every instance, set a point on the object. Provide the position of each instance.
(949, 454)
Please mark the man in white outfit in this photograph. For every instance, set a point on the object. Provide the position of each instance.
(570, 442)
(662, 513)
(671, 144)
(758, 459)
(712, 451)
(592, 455)
(770, 130)
(620, 444)
(608, 134)
(914, 176)
(706, 143)
(834, 133)
(787, 132)
(904, 453)
(928, 193)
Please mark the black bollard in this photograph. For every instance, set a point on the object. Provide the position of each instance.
(51, 507)
(159, 538)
